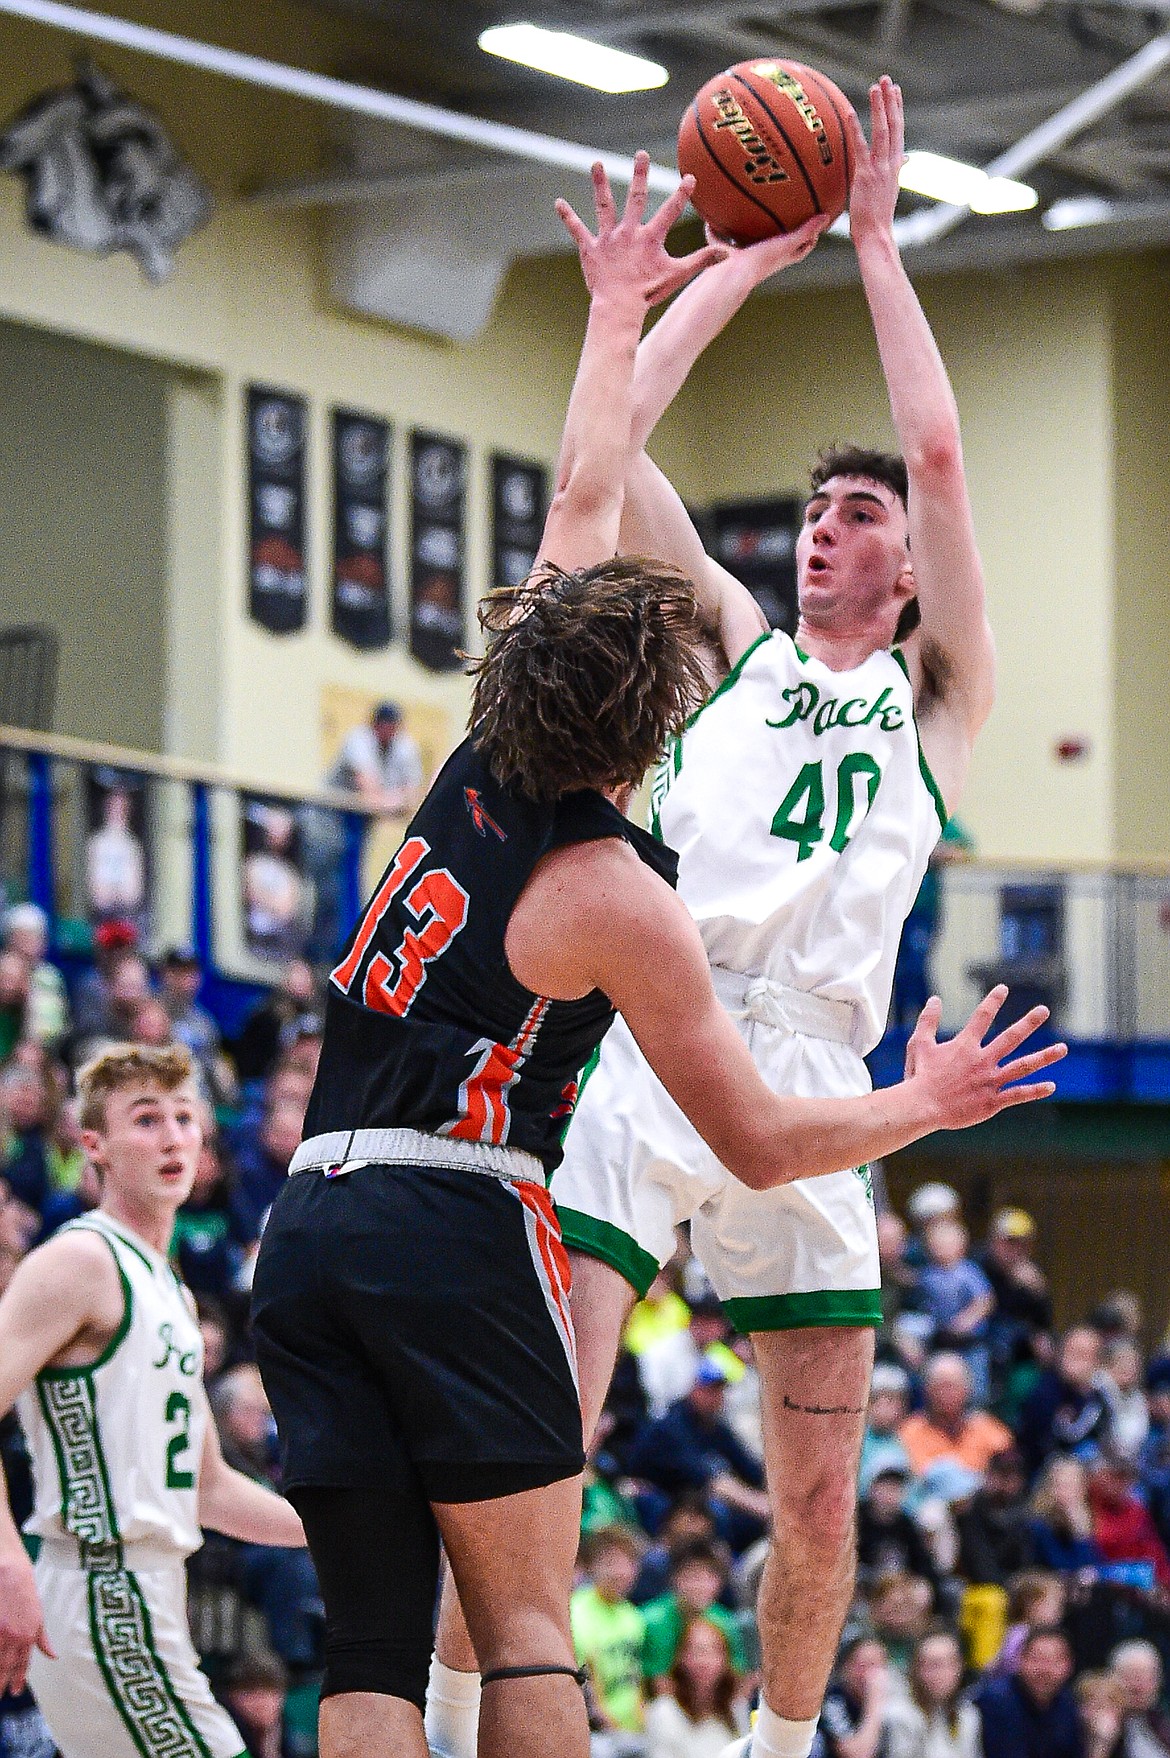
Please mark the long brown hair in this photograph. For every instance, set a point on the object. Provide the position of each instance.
(586, 674)
(726, 1688)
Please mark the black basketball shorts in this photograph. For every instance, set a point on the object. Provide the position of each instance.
(413, 1321)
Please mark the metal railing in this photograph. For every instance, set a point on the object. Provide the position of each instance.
(91, 832)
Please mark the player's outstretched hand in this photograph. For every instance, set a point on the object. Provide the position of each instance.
(968, 1079)
(873, 191)
(629, 255)
(772, 255)
(22, 1624)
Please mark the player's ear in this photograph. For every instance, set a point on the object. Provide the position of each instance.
(92, 1141)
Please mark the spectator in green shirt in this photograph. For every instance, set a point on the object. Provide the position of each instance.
(698, 1575)
(608, 1632)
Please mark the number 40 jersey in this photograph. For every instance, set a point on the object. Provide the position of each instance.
(803, 815)
(116, 1445)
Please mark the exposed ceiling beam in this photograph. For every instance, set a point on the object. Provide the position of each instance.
(337, 94)
(1041, 142)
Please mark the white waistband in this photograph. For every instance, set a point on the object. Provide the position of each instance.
(67, 1553)
(342, 1148)
(790, 1010)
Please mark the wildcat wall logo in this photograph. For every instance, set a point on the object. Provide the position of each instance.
(101, 174)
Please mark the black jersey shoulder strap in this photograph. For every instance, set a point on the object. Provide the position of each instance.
(590, 817)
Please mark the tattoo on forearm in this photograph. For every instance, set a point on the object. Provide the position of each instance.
(824, 1409)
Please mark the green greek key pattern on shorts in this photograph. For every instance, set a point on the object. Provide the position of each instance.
(69, 1406)
(135, 1674)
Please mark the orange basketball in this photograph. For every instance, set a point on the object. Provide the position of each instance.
(766, 145)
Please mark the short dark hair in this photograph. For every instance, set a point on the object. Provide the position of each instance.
(586, 674)
(888, 468)
(698, 1550)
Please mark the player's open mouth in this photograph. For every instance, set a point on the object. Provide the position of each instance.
(172, 1169)
(817, 564)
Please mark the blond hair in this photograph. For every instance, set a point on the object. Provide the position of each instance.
(128, 1065)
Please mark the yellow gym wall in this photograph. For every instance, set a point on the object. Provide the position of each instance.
(1045, 362)
(1141, 417)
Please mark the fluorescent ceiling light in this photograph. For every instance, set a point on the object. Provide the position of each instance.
(1077, 210)
(965, 186)
(571, 57)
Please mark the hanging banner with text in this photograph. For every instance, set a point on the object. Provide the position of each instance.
(519, 500)
(438, 474)
(361, 593)
(278, 598)
(756, 541)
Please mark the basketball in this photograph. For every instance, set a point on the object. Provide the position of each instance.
(765, 142)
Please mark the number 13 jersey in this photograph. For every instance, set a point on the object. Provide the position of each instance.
(803, 815)
(116, 1446)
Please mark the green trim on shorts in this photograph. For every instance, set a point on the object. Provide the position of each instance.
(601, 1239)
(793, 1312)
(136, 1676)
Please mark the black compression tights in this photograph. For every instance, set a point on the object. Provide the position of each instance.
(377, 1561)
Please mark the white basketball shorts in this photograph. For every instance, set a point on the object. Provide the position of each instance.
(126, 1682)
(634, 1168)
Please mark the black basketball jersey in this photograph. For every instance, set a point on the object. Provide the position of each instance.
(425, 1025)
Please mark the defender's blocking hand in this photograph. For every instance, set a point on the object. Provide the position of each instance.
(967, 1079)
(629, 255)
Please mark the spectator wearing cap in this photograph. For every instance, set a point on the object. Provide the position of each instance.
(46, 1014)
(693, 1447)
(889, 1400)
(947, 1427)
(995, 1539)
(1023, 1309)
(180, 980)
(929, 1202)
(1066, 1410)
(1137, 1667)
(1032, 1713)
(698, 1578)
(667, 1366)
(92, 1015)
(381, 762)
(889, 1540)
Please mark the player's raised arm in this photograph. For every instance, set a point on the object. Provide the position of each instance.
(654, 520)
(955, 657)
(627, 269)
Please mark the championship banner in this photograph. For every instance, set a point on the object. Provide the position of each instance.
(361, 594)
(519, 502)
(756, 541)
(438, 475)
(278, 598)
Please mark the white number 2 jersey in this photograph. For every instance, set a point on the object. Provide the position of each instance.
(803, 815)
(116, 1446)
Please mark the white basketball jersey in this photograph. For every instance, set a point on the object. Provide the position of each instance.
(116, 1446)
(803, 815)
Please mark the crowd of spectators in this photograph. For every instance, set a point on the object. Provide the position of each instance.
(1013, 1522)
(1013, 1585)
